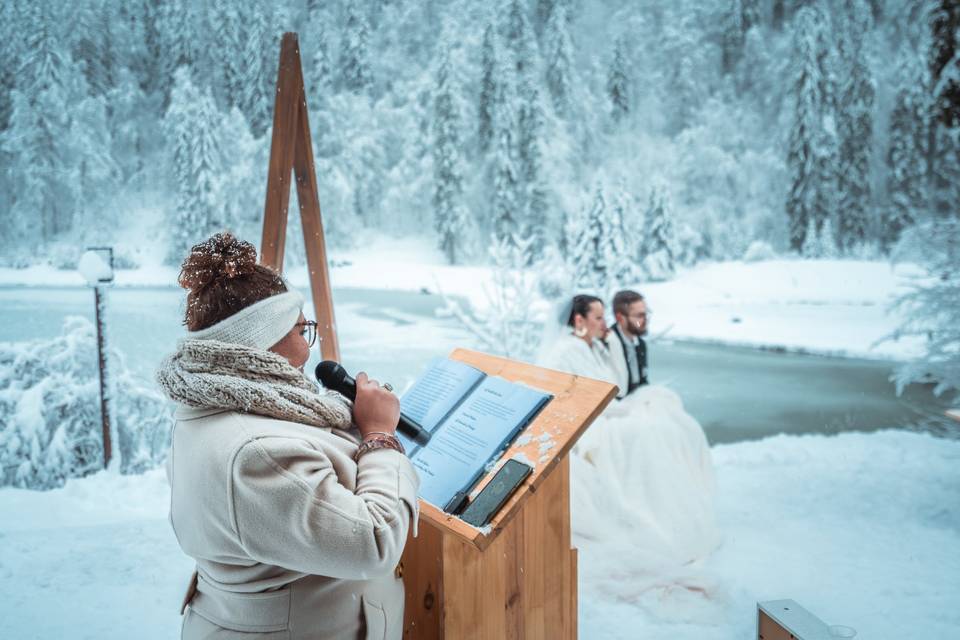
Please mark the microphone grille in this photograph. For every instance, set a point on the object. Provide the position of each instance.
(330, 373)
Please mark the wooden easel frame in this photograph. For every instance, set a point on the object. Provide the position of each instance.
(291, 152)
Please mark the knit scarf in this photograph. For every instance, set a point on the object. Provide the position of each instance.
(208, 374)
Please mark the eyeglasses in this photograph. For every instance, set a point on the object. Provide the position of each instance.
(308, 329)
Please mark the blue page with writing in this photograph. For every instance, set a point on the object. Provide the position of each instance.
(432, 397)
(478, 429)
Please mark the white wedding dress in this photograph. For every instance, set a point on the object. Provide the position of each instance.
(643, 485)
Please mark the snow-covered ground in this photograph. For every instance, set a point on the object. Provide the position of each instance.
(861, 529)
(836, 307)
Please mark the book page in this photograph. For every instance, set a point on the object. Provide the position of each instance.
(472, 435)
(435, 394)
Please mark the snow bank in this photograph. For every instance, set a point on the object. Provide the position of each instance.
(862, 529)
(834, 307)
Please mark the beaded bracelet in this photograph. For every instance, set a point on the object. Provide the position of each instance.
(380, 442)
(379, 433)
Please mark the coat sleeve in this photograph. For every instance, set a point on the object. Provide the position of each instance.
(289, 509)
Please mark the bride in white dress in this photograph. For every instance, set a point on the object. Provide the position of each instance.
(643, 481)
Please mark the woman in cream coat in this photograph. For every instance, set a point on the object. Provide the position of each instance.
(296, 518)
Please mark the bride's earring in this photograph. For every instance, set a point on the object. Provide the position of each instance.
(580, 332)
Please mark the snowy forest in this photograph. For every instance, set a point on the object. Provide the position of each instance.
(645, 134)
(591, 142)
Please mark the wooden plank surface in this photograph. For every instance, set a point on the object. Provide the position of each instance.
(524, 584)
(291, 152)
(768, 629)
(282, 145)
(312, 223)
(422, 565)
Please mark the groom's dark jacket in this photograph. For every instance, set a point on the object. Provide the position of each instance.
(619, 344)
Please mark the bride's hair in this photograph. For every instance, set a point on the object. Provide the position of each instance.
(222, 277)
(581, 306)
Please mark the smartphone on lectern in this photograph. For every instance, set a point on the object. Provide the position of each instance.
(493, 496)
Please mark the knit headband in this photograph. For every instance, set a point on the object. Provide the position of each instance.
(260, 326)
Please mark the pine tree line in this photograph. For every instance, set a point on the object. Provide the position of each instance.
(86, 88)
(832, 207)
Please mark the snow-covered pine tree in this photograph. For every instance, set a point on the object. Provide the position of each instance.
(931, 309)
(489, 65)
(542, 13)
(175, 27)
(530, 124)
(734, 35)
(737, 18)
(621, 246)
(751, 14)
(356, 75)
(559, 58)
(811, 149)
(519, 40)
(943, 150)
(319, 73)
(596, 247)
(97, 175)
(92, 44)
(618, 85)
(256, 101)
(193, 131)
(42, 171)
(450, 214)
(855, 107)
(943, 16)
(812, 247)
(820, 243)
(129, 118)
(906, 151)
(658, 247)
(241, 197)
(687, 59)
(584, 231)
(508, 197)
(141, 43)
(778, 13)
(228, 47)
(51, 411)
(10, 49)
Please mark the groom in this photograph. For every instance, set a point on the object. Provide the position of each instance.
(627, 349)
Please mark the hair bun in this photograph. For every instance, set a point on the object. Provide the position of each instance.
(221, 257)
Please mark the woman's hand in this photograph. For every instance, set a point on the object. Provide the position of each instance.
(375, 409)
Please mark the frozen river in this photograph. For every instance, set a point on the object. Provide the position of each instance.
(735, 393)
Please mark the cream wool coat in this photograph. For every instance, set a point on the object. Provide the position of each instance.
(292, 538)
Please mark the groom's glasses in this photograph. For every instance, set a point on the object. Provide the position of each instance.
(308, 329)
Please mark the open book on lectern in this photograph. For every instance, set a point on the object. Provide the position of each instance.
(472, 418)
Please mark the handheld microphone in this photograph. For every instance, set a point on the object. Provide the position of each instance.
(335, 377)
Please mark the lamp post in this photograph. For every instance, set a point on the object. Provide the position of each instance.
(96, 266)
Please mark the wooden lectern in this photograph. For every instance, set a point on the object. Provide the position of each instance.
(516, 578)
